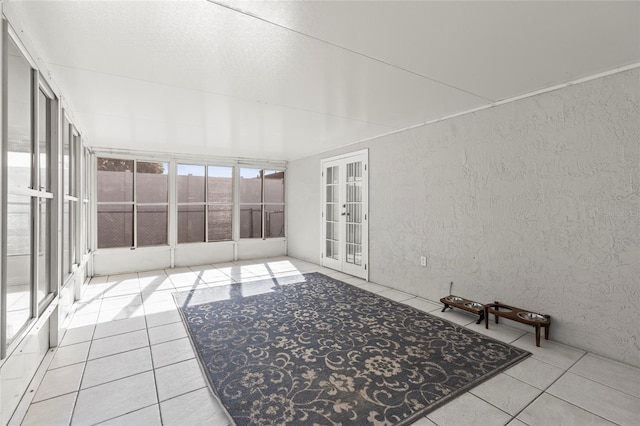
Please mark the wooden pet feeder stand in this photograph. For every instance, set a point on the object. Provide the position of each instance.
(451, 302)
(519, 315)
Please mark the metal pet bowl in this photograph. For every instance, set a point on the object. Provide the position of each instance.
(474, 305)
(530, 316)
(455, 299)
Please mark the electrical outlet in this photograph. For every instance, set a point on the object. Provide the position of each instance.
(423, 261)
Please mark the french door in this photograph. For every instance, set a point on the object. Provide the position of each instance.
(345, 210)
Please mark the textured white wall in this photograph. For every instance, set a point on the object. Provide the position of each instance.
(535, 203)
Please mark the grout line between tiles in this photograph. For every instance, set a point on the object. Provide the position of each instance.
(184, 393)
(129, 412)
(153, 365)
(75, 401)
(603, 384)
(501, 409)
(544, 391)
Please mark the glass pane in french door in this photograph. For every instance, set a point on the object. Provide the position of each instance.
(332, 209)
(354, 213)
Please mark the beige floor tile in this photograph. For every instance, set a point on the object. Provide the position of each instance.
(422, 304)
(456, 316)
(535, 372)
(498, 331)
(395, 295)
(114, 367)
(193, 408)
(171, 352)
(149, 416)
(423, 422)
(606, 402)
(113, 328)
(616, 375)
(77, 335)
(51, 412)
(162, 316)
(506, 393)
(551, 352)
(167, 332)
(116, 314)
(548, 410)
(114, 399)
(120, 302)
(118, 343)
(468, 409)
(72, 354)
(179, 378)
(59, 381)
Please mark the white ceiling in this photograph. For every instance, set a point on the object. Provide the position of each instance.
(284, 80)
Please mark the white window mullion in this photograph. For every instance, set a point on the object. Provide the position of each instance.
(173, 211)
(262, 207)
(206, 204)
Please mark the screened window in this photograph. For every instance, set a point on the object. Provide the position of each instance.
(219, 203)
(115, 203)
(205, 203)
(152, 203)
(261, 203)
(132, 195)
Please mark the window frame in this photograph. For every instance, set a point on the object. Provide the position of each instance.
(133, 203)
(71, 199)
(263, 202)
(206, 203)
(37, 194)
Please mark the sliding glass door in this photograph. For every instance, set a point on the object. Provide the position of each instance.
(31, 114)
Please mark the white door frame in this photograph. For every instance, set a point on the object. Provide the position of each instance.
(340, 263)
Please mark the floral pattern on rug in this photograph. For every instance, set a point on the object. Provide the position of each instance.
(318, 351)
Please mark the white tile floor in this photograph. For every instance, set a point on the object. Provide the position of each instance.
(125, 359)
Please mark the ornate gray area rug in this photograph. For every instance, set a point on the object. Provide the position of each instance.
(312, 350)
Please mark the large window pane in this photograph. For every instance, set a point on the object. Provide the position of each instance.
(19, 210)
(273, 186)
(43, 139)
(152, 225)
(190, 184)
(251, 221)
(115, 180)
(19, 149)
(152, 182)
(273, 220)
(18, 264)
(190, 223)
(70, 241)
(220, 222)
(250, 186)
(220, 185)
(66, 237)
(43, 251)
(115, 225)
(66, 152)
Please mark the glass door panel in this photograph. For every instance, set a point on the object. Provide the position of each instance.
(332, 215)
(353, 213)
(20, 194)
(19, 248)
